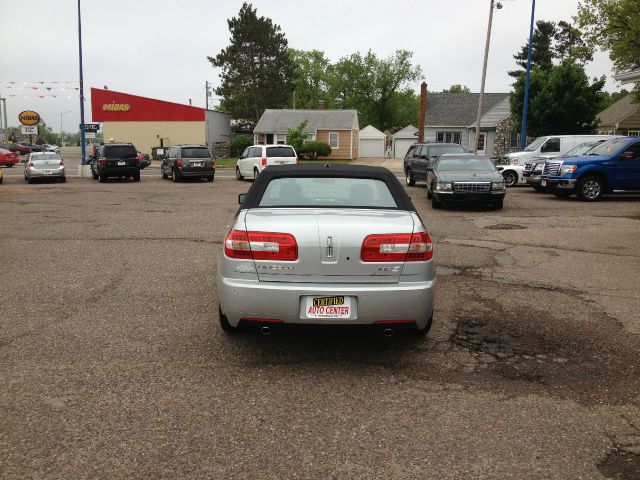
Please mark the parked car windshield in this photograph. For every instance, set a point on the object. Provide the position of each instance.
(196, 152)
(610, 147)
(120, 151)
(535, 144)
(462, 164)
(327, 192)
(280, 152)
(436, 150)
(580, 149)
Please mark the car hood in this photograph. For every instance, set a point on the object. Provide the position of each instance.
(585, 159)
(469, 177)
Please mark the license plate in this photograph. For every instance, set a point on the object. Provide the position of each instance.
(328, 307)
(196, 164)
(543, 183)
(121, 162)
(48, 172)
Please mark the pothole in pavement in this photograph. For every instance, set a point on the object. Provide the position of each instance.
(505, 226)
(509, 355)
(620, 464)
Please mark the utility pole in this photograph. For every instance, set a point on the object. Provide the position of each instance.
(525, 106)
(206, 93)
(3, 118)
(82, 137)
(484, 73)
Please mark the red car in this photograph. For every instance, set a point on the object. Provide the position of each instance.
(16, 147)
(7, 158)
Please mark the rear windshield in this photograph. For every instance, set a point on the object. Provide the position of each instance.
(45, 156)
(196, 152)
(280, 152)
(436, 150)
(120, 151)
(327, 192)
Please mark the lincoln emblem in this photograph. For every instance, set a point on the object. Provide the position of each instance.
(329, 247)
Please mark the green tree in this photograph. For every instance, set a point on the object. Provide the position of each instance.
(562, 100)
(297, 136)
(614, 26)
(405, 108)
(542, 53)
(257, 69)
(569, 44)
(457, 88)
(371, 84)
(312, 78)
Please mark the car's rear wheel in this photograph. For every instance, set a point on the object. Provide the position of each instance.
(409, 178)
(590, 188)
(164, 174)
(510, 178)
(255, 173)
(174, 176)
(224, 322)
(136, 177)
(238, 174)
(210, 178)
(102, 177)
(94, 175)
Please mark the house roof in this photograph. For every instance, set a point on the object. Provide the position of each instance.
(632, 76)
(493, 117)
(281, 120)
(371, 132)
(407, 132)
(619, 111)
(459, 109)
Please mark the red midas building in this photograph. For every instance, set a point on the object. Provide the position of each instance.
(148, 123)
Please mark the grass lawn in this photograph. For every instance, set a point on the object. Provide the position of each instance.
(230, 162)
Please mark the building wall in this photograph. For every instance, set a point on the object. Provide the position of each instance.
(346, 143)
(145, 135)
(218, 127)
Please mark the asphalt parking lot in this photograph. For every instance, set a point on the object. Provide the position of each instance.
(113, 365)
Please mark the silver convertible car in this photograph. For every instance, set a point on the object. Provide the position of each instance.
(44, 165)
(327, 245)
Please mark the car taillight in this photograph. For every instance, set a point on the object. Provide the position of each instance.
(261, 245)
(62, 163)
(397, 247)
(213, 162)
(179, 163)
(103, 162)
(30, 164)
(264, 162)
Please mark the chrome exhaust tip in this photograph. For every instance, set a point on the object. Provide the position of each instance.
(388, 332)
(265, 330)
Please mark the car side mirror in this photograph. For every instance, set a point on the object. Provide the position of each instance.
(241, 198)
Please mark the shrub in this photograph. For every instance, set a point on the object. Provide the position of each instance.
(297, 136)
(239, 143)
(312, 150)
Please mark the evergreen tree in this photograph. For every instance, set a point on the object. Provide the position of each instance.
(542, 53)
(257, 69)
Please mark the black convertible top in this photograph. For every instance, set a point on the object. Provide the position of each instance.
(254, 195)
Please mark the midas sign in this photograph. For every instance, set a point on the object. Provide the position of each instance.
(29, 117)
(116, 107)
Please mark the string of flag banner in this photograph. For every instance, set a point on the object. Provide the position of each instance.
(39, 89)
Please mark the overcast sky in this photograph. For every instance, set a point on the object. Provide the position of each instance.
(159, 48)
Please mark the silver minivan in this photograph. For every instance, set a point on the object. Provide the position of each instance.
(256, 158)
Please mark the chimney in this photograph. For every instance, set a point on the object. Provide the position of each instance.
(320, 104)
(189, 102)
(423, 112)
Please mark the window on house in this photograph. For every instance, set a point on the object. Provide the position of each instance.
(514, 140)
(449, 137)
(334, 139)
(633, 133)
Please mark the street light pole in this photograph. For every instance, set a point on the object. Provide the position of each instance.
(525, 106)
(82, 137)
(61, 131)
(497, 5)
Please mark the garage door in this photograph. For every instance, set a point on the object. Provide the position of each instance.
(401, 146)
(371, 147)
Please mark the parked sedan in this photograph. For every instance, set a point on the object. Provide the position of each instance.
(464, 178)
(327, 245)
(44, 165)
(16, 147)
(8, 158)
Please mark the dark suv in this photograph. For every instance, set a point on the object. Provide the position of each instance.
(421, 155)
(182, 161)
(115, 160)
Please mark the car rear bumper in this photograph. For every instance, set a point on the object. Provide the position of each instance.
(37, 173)
(119, 171)
(197, 173)
(252, 299)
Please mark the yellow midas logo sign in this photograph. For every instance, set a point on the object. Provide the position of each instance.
(116, 107)
(29, 117)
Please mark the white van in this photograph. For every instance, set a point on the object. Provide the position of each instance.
(256, 158)
(549, 146)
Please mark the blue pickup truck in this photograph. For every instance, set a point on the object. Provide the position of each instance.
(612, 165)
